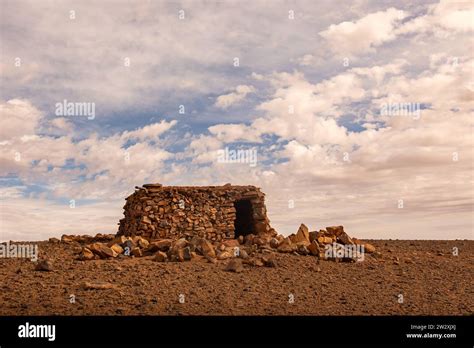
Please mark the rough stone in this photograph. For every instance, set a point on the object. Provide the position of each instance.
(302, 234)
(235, 265)
(160, 256)
(44, 265)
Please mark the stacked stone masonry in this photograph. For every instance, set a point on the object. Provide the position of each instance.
(212, 212)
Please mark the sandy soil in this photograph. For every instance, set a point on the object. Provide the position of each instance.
(430, 278)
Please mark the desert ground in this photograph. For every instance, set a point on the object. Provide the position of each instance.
(406, 278)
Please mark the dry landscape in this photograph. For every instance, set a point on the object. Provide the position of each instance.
(430, 278)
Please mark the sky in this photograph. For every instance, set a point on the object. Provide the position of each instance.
(354, 113)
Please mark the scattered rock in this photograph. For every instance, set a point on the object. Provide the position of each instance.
(160, 256)
(161, 245)
(44, 265)
(231, 243)
(235, 265)
(137, 252)
(368, 248)
(302, 250)
(269, 261)
(286, 246)
(225, 255)
(314, 248)
(187, 254)
(344, 238)
(94, 285)
(335, 230)
(274, 243)
(243, 254)
(207, 249)
(86, 254)
(117, 248)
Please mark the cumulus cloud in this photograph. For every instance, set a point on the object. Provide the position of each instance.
(226, 100)
(59, 161)
(349, 38)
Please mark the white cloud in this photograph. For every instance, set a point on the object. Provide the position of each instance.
(349, 38)
(109, 168)
(227, 100)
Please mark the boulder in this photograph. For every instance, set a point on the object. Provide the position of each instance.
(324, 240)
(313, 235)
(302, 235)
(314, 248)
(117, 248)
(286, 246)
(161, 245)
(86, 254)
(335, 230)
(207, 249)
(343, 238)
(102, 250)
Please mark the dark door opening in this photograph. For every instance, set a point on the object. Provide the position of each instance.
(244, 223)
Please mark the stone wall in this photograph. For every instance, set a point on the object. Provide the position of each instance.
(212, 212)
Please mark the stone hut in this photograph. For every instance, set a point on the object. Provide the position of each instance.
(212, 212)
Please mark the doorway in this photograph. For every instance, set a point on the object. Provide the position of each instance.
(244, 222)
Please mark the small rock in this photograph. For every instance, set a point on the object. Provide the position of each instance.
(137, 252)
(344, 238)
(187, 255)
(86, 254)
(231, 243)
(207, 248)
(44, 265)
(269, 261)
(302, 250)
(225, 255)
(241, 239)
(235, 265)
(243, 254)
(160, 256)
(313, 235)
(369, 248)
(54, 240)
(161, 245)
(314, 248)
(335, 230)
(97, 285)
(274, 243)
(286, 246)
(117, 248)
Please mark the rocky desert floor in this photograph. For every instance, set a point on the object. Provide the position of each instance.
(409, 278)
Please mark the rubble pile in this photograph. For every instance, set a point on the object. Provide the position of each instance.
(255, 250)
